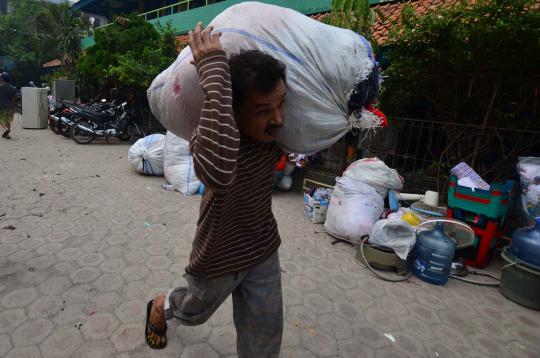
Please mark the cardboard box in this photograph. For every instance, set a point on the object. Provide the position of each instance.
(315, 209)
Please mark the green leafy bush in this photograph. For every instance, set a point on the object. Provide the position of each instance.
(355, 15)
(128, 53)
(36, 32)
(475, 63)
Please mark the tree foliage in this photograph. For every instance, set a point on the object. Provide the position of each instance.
(130, 53)
(467, 63)
(473, 68)
(36, 32)
(355, 15)
(69, 28)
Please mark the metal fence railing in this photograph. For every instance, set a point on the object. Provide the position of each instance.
(177, 7)
(423, 151)
(171, 9)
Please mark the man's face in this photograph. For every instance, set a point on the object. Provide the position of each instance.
(260, 116)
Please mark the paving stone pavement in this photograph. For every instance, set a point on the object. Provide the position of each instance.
(93, 241)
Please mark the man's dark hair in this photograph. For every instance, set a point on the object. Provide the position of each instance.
(254, 71)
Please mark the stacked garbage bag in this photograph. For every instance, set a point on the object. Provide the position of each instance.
(169, 156)
(146, 155)
(358, 198)
(178, 166)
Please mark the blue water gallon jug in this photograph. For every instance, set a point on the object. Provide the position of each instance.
(526, 244)
(434, 254)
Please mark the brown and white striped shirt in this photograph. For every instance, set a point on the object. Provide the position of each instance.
(236, 228)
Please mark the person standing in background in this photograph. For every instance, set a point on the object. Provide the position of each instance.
(8, 103)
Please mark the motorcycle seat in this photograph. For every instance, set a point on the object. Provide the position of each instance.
(97, 116)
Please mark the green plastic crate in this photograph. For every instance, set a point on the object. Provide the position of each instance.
(493, 203)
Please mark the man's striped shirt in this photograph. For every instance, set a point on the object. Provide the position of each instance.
(236, 228)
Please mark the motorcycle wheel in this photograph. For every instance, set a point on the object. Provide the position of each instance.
(53, 126)
(124, 137)
(64, 130)
(82, 136)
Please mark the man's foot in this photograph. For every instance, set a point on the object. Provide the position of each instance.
(156, 326)
(6, 134)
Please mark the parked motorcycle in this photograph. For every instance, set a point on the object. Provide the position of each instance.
(63, 114)
(119, 123)
(67, 119)
(61, 117)
(101, 105)
(55, 111)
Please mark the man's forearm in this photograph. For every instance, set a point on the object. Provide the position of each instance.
(217, 140)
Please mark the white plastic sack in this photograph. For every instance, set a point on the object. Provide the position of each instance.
(373, 172)
(178, 166)
(354, 208)
(529, 174)
(146, 154)
(395, 234)
(324, 64)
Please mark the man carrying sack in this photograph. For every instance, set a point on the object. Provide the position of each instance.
(235, 247)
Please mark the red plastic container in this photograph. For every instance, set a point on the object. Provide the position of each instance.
(484, 211)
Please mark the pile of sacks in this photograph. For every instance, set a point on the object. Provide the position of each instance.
(357, 202)
(167, 155)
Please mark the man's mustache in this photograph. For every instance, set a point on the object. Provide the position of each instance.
(273, 127)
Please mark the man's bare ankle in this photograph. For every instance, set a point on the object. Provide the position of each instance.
(159, 304)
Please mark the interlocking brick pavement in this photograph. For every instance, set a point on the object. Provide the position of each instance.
(94, 240)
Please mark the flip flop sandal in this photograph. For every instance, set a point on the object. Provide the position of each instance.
(6, 134)
(150, 328)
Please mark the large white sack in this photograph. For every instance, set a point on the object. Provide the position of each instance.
(376, 174)
(178, 165)
(146, 154)
(324, 64)
(354, 208)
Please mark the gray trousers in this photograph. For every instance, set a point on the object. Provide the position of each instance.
(257, 306)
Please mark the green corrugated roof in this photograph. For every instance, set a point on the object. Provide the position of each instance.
(186, 20)
(183, 21)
